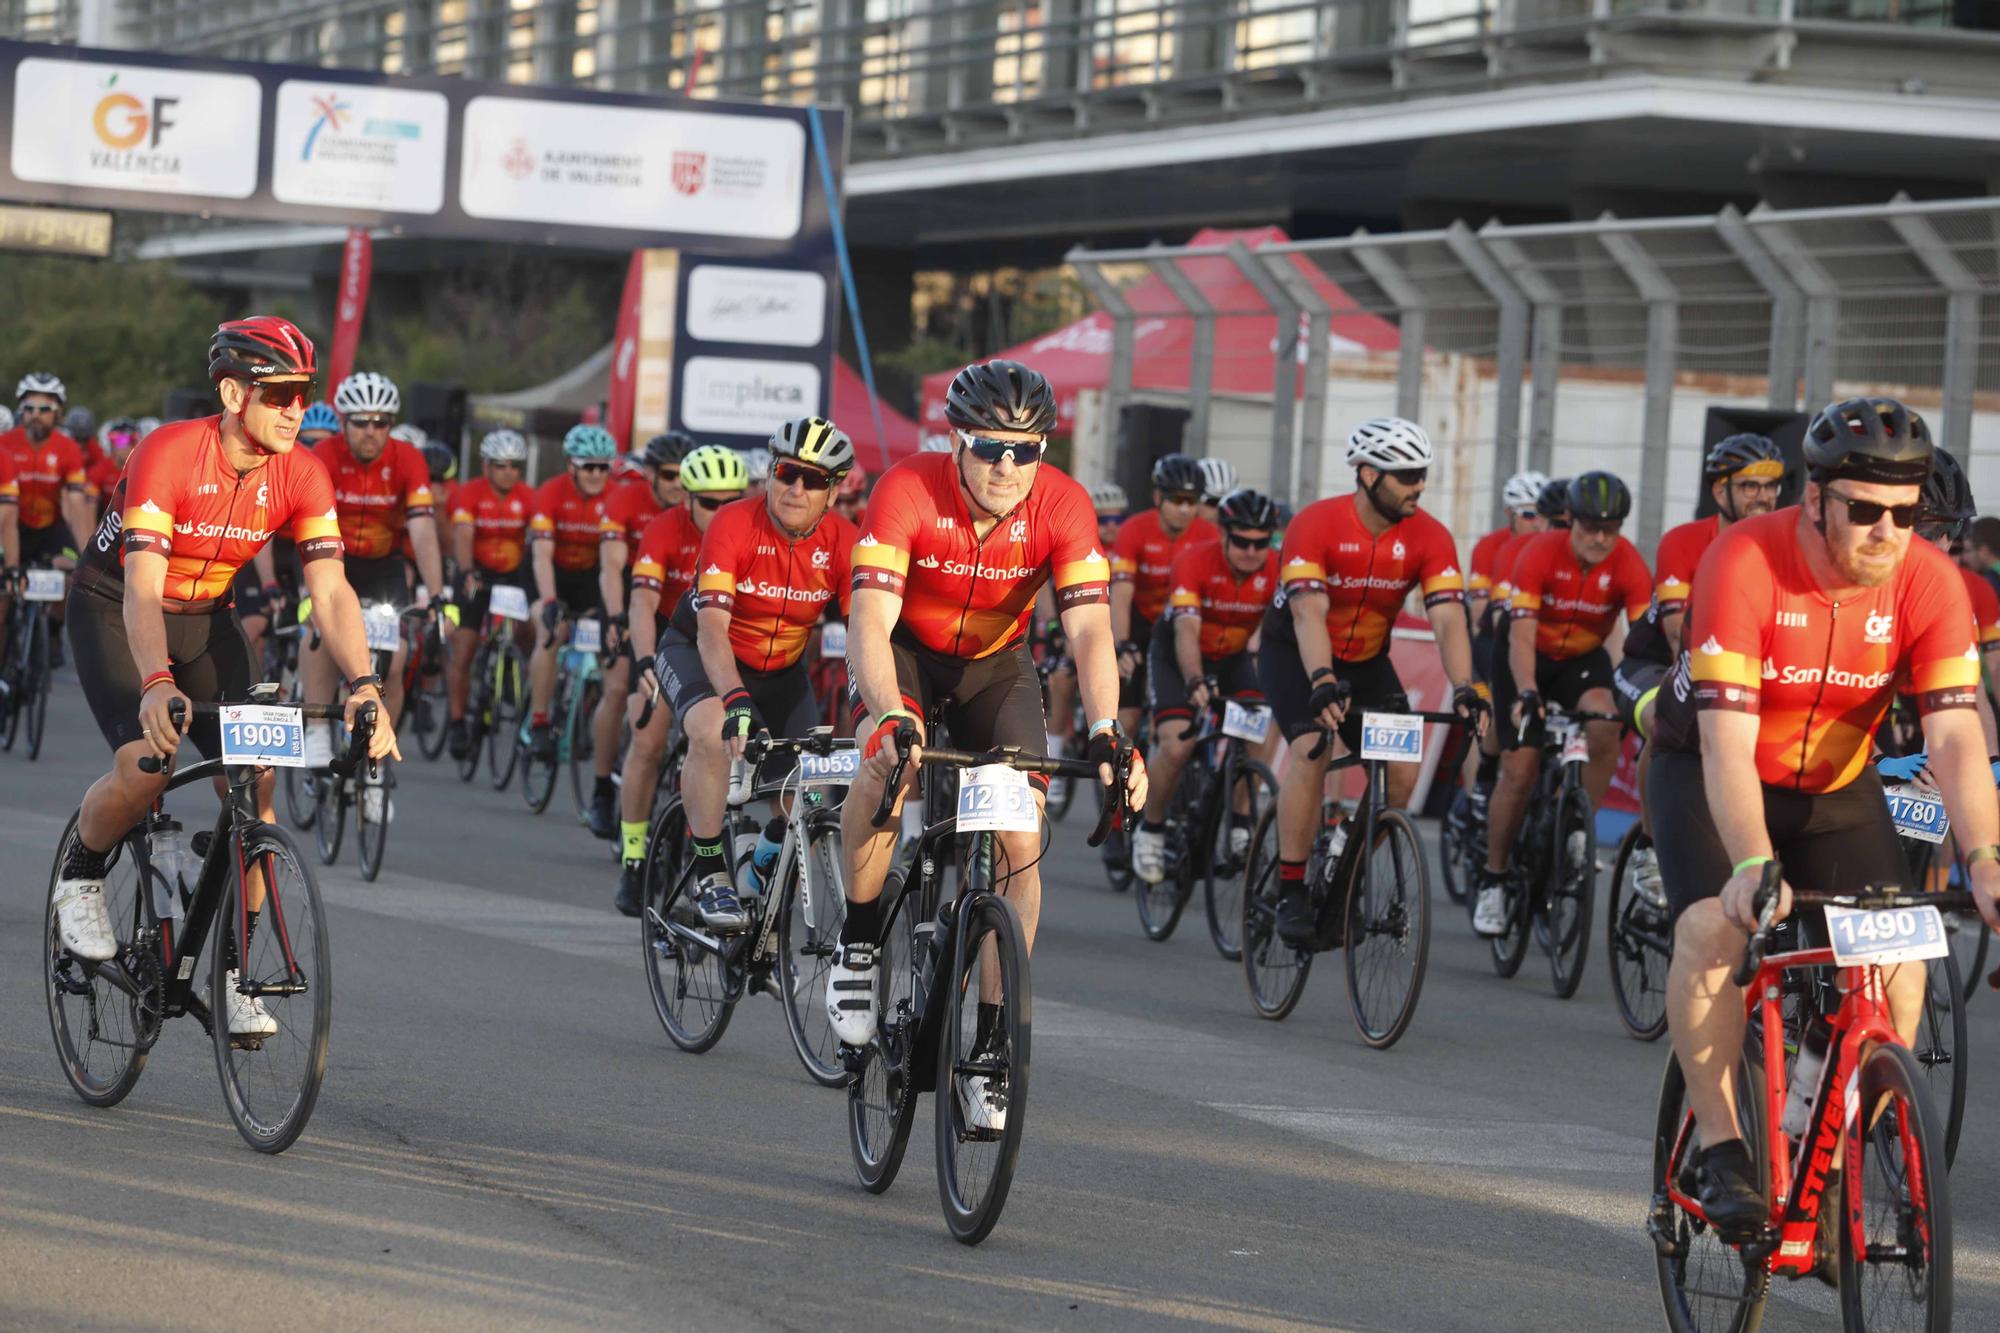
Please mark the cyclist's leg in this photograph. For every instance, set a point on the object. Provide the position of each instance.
(870, 850)
(1132, 689)
(542, 663)
(1849, 842)
(610, 711)
(223, 669)
(1173, 720)
(1520, 762)
(465, 646)
(998, 703)
(1302, 790)
(1583, 683)
(1062, 707)
(110, 683)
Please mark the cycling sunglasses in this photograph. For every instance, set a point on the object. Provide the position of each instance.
(715, 502)
(1408, 476)
(1952, 529)
(812, 478)
(1867, 513)
(591, 467)
(289, 393)
(370, 423)
(35, 409)
(989, 450)
(1243, 543)
(668, 474)
(1180, 498)
(1597, 527)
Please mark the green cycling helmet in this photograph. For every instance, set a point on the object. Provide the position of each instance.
(713, 468)
(588, 441)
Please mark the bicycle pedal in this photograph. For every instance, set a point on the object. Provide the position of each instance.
(245, 1043)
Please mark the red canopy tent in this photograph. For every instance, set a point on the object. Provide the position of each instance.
(1079, 356)
(851, 414)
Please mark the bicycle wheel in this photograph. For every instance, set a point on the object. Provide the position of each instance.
(1223, 876)
(1275, 970)
(331, 822)
(1160, 905)
(428, 705)
(104, 1030)
(538, 776)
(1455, 847)
(1388, 932)
(1638, 948)
(1941, 1050)
(1572, 891)
(271, 1083)
(882, 1092)
(35, 686)
(688, 978)
(1970, 940)
(975, 1159)
(583, 746)
(505, 708)
(1510, 946)
(300, 802)
(1705, 1283)
(1895, 1264)
(372, 833)
(809, 918)
(13, 657)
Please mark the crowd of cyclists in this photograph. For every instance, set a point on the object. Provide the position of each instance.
(975, 583)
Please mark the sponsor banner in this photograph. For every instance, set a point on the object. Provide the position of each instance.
(728, 396)
(653, 392)
(116, 126)
(638, 168)
(779, 307)
(357, 268)
(625, 354)
(343, 145)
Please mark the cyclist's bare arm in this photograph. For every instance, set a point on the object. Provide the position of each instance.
(1122, 594)
(1187, 646)
(1965, 779)
(1454, 642)
(461, 545)
(1315, 644)
(430, 564)
(266, 566)
(80, 514)
(10, 534)
(338, 613)
(644, 634)
(544, 554)
(871, 615)
(1670, 625)
(611, 557)
(718, 658)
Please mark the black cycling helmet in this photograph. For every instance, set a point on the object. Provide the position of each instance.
(1732, 455)
(1000, 395)
(1247, 509)
(1869, 439)
(1553, 503)
(671, 447)
(1178, 472)
(1947, 498)
(1599, 497)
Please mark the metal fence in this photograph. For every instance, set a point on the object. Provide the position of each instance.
(1573, 345)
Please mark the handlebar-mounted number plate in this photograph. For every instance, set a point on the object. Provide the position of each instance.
(1246, 722)
(829, 770)
(508, 602)
(587, 635)
(384, 626)
(1397, 737)
(997, 799)
(833, 639)
(1917, 814)
(1897, 935)
(265, 735)
(44, 585)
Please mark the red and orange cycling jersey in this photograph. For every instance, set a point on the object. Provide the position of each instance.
(1503, 565)
(379, 497)
(1764, 638)
(1143, 556)
(499, 523)
(1985, 610)
(773, 585)
(181, 498)
(1229, 605)
(1331, 553)
(970, 596)
(1575, 608)
(43, 472)
(665, 561)
(575, 522)
(632, 506)
(1484, 552)
(1679, 556)
(10, 489)
(100, 479)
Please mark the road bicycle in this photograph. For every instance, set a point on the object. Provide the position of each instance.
(370, 794)
(941, 960)
(107, 1016)
(572, 704)
(29, 656)
(426, 709)
(1638, 943)
(498, 696)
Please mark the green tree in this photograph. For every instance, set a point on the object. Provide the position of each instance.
(118, 334)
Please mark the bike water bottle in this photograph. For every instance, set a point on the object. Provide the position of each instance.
(1804, 1087)
(743, 844)
(172, 865)
(764, 857)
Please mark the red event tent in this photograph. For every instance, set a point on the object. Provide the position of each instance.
(851, 414)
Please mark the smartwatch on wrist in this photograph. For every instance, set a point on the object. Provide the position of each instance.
(370, 679)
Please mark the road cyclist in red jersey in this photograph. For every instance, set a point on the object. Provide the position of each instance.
(1107, 498)
(54, 512)
(489, 548)
(1521, 495)
(566, 536)
(663, 571)
(1948, 511)
(1218, 478)
(115, 441)
(851, 500)
(152, 621)
(1142, 558)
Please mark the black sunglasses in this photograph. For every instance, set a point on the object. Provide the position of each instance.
(371, 423)
(1935, 529)
(668, 474)
(989, 450)
(591, 467)
(714, 502)
(1598, 527)
(505, 462)
(287, 394)
(1867, 513)
(1408, 476)
(1180, 498)
(812, 478)
(1242, 543)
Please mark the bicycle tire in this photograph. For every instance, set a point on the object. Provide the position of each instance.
(1572, 890)
(1388, 933)
(1637, 949)
(1275, 971)
(1510, 946)
(503, 730)
(1972, 961)
(10, 708)
(430, 704)
(973, 1197)
(882, 1090)
(1455, 850)
(810, 914)
(331, 822)
(1160, 905)
(244, 1072)
(371, 836)
(1222, 903)
(303, 811)
(99, 1006)
(37, 681)
(1719, 1267)
(580, 723)
(1911, 1200)
(1942, 1050)
(689, 983)
(538, 776)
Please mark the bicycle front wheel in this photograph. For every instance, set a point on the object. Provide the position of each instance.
(429, 708)
(103, 1030)
(371, 826)
(1941, 1049)
(1223, 877)
(582, 746)
(1638, 947)
(881, 1088)
(688, 975)
(271, 1080)
(1572, 891)
(1388, 932)
(1456, 847)
(330, 821)
(982, 1095)
(505, 707)
(1705, 1284)
(809, 920)
(1275, 970)
(1895, 1266)
(35, 685)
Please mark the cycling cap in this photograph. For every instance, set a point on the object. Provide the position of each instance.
(585, 440)
(670, 447)
(262, 347)
(80, 423)
(757, 463)
(1000, 395)
(1523, 489)
(1869, 439)
(1553, 502)
(411, 433)
(367, 393)
(1948, 492)
(1245, 508)
(713, 468)
(1600, 498)
(1218, 477)
(1178, 472)
(319, 416)
(1748, 454)
(854, 484)
(814, 440)
(1108, 497)
(504, 446)
(1389, 443)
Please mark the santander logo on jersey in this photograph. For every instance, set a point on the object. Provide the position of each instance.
(1838, 677)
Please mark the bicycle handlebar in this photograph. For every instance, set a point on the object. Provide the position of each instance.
(1011, 757)
(357, 741)
(1872, 900)
(1351, 759)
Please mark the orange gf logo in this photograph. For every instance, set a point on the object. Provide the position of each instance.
(121, 120)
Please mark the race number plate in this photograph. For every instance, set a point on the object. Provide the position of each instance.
(1898, 936)
(1392, 736)
(995, 798)
(1918, 814)
(833, 639)
(829, 770)
(1575, 748)
(508, 602)
(587, 635)
(384, 629)
(1246, 722)
(44, 585)
(271, 735)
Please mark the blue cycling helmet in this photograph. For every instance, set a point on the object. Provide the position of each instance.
(320, 416)
(588, 441)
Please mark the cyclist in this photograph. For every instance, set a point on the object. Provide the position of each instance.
(1108, 499)
(1802, 621)
(851, 500)
(152, 624)
(80, 424)
(1141, 560)
(733, 656)
(1218, 478)
(489, 542)
(662, 573)
(383, 487)
(1522, 495)
(1348, 564)
(1220, 591)
(115, 439)
(320, 422)
(945, 580)
(566, 536)
(757, 463)
(55, 513)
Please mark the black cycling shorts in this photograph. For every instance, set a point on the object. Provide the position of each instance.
(210, 656)
(473, 611)
(379, 580)
(989, 703)
(1373, 685)
(781, 702)
(1166, 689)
(1831, 842)
(1132, 689)
(41, 546)
(1560, 681)
(1633, 682)
(578, 592)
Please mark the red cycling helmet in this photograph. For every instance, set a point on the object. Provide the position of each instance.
(263, 347)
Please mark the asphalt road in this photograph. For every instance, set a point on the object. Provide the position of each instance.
(507, 1139)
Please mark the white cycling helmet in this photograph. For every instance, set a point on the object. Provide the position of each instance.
(757, 463)
(6, 417)
(1108, 497)
(1218, 478)
(1523, 489)
(147, 425)
(411, 433)
(1389, 443)
(935, 444)
(40, 382)
(366, 393)
(504, 446)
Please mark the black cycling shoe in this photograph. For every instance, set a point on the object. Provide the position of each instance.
(631, 882)
(603, 816)
(459, 738)
(1296, 924)
(542, 744)
(1736, 1208)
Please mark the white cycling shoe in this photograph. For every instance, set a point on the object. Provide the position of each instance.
(1149, 855)
(983, 1102)
(1646, 877)
(850, 995)
(1239, 842)
(83, 920)
(1489, 916)
(246, 1012)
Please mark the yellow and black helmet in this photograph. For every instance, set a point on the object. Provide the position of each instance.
(814, 440)
(713, 468)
